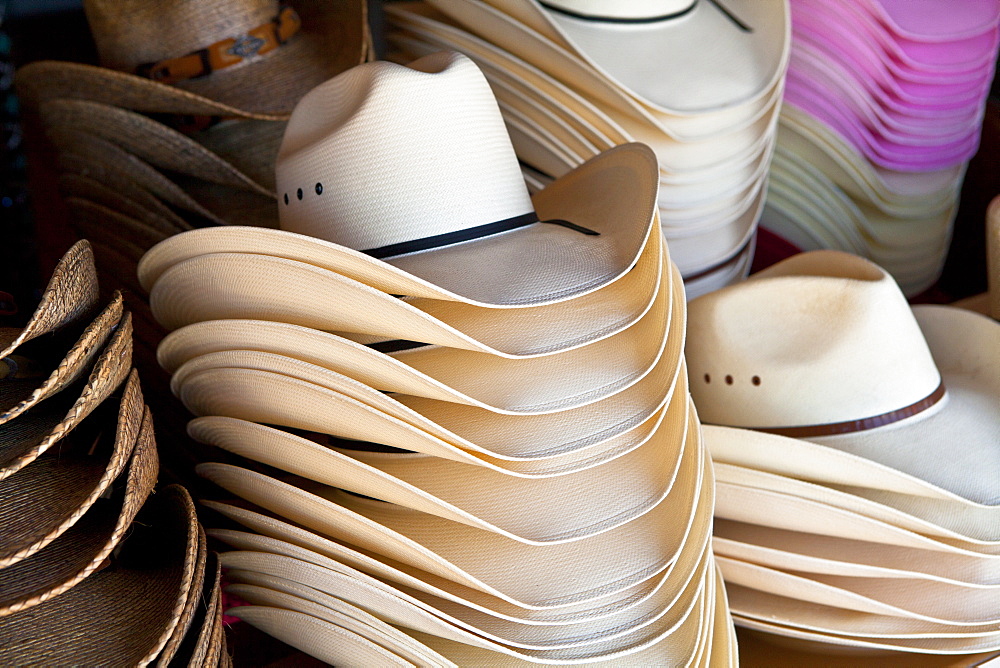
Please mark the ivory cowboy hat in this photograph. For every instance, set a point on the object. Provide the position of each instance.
(299, 543)
(235, 59)
(467, 494)
(481, 560)
(897, 384)
(70, 295)
(464, 211)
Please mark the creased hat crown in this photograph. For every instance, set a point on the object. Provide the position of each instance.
(385, 154)
(821, 338)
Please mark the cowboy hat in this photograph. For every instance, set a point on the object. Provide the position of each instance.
(97, 621)
(177, 299)
(71, 294)
(262, 55)
(89, 535)
(23, 440)
(895, 379)
(495, 217)
(18, 395)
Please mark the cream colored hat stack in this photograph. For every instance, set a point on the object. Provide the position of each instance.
(858, 493)
(699, 81)
(80, 545)
(537, 491)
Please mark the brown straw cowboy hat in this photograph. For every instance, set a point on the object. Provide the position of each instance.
(236, 58)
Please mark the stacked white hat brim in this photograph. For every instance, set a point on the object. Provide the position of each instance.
(878, 531)
(877, 128)
(570, 87)
(545, 496)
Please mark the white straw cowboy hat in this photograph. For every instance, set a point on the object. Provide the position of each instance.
(897, 383)
(236, 59)
(626, 46)
(295, 565)
(544, 384)
(530, 445)
(83, 548)
(603, 211)
(70, 295)
(457, 552)
(98, 622)
(239, 290)
(294, 541)
(467, 494)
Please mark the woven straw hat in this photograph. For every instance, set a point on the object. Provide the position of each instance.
(460, 552)
(538, 385)
(467, 494)
(161, 146)
(83, 548)
(486, 220)
(894, 379)
(70, 295)
(97, 621)
(262, 55)
(65, 483)
(200, 637)
(23, 440)
(19, 392)
(123, 196)
(264, 287)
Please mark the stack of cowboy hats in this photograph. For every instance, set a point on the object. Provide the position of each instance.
(79, 549)
(883, 108)
(699, 82)
(545, 495)
(179, 126)
(858, 503)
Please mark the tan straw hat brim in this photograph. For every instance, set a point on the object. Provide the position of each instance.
(480, 559)
(539, 385)
(468, 494)
(124, 196)
(827, 555)
(23, 440)
(67, 483)
(193, 649)
(70, 295)
(429, 587)
(613, 194)
(81, 550)
(239, 291)
(528, 446)
(97, 621)
(183, 628)
(17, 396)
(161, 146)
(933, 602)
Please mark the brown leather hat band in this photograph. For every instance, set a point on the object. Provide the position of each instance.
(227, 52)
(863, 424)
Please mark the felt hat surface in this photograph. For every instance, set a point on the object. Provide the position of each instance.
(467, 216)
(894, 379)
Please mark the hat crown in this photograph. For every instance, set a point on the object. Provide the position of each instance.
(821, 338)
(130, 33)
(622, 9)
(385, 154)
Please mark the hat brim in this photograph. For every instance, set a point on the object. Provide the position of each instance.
(333, 38)
(416, 538)
(537, 385)
(613, 194)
